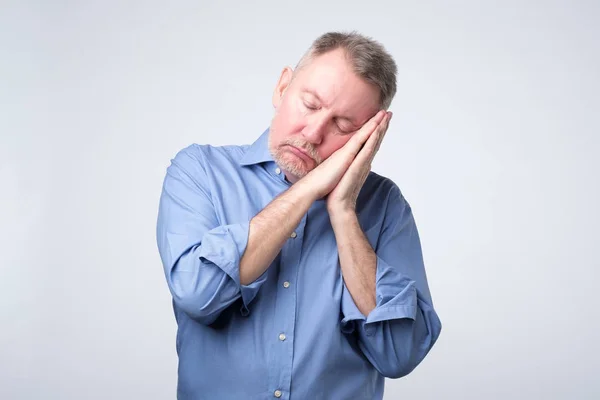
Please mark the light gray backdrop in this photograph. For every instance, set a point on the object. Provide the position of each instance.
(494, 143)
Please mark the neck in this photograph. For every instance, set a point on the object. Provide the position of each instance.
(291, 178)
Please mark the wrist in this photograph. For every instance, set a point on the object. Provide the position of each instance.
(305, 190)
(341, 213)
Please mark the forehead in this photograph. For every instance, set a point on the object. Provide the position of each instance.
(331, 77)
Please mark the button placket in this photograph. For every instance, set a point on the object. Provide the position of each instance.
(286, 308)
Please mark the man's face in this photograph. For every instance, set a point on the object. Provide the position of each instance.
(318, 111)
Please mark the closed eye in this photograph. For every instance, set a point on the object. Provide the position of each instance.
(344, 129)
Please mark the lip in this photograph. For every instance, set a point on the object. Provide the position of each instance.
(300, 153)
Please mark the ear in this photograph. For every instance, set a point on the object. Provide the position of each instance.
(284, 82)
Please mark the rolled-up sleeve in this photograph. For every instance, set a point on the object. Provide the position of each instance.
(200, 257)
(403, 327)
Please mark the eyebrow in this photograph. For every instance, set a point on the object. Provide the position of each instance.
(316, 95)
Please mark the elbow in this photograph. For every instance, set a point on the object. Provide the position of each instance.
(398, 369)
(408, 355)
(202, 303)
(201, 296)
(196, 309)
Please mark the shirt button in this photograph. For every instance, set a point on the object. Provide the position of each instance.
(282, 337)
(286, 284)
(277, 171)
(277, 393)
(293, 235)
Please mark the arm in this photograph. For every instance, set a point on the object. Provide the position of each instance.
(358, 261)
(270, 228)
(386, 299)
(209, 266)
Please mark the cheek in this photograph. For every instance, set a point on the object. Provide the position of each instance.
(334, 143)
(289, 120)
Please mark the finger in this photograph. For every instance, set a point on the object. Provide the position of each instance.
(377, 138)
(358, 141)
(383, 127)
(367, 130)
(367, 150)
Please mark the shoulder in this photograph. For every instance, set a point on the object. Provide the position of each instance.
(382, 199)
(208, 152)
(204, 157)
(383, 190)
(382, 205)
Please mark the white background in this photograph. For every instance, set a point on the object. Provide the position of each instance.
(494, 143)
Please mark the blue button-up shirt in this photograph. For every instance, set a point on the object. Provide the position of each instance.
(295, 332)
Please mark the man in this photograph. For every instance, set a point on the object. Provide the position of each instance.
(296, 273)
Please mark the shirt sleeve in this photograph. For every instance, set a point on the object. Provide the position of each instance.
(403, 327)
(200, 256)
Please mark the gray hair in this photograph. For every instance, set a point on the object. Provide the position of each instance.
(368, 58)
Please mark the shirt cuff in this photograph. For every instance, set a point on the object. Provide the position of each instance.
(396, 299)
(224, 246)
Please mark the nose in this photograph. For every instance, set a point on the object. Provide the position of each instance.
(315, 129)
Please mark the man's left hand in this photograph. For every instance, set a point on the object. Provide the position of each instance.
(343, 197)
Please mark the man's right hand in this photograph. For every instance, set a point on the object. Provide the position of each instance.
(325, 177)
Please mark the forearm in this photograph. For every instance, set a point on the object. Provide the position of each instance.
(270, 228)
(358, 261)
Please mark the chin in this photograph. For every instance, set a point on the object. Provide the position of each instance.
(291, 165)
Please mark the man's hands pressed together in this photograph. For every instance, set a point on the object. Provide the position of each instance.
(343, 197)
(341, 176)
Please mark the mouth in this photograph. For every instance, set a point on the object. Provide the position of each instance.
(301, 153)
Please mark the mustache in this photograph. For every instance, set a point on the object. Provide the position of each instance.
(305, 146)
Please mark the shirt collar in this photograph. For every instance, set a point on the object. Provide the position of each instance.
(258, 151)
